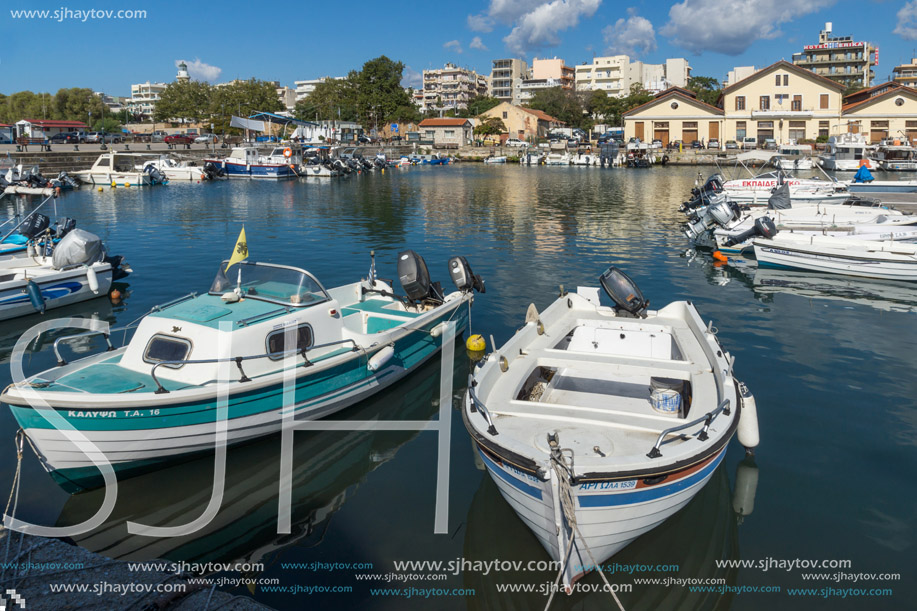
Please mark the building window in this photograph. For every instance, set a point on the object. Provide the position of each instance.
(823, 101)
(778, 80)
(740, 130)
(823, 128)
(797, 103)
(797, 130)
(505, 114)
(786, 80)
(689, 125)
(740, 102)
(765, 102)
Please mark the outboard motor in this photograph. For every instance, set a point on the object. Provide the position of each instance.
(623, 291)
(155, 175)
(67, 180)
(462, 276)
(764, 228)
(415, 279)
(4, 183)
(64, 226)
(209, 170)
(34, 225)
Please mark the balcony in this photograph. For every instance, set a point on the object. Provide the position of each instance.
(782, 113)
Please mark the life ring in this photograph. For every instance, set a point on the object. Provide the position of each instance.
(288, 152)
(866, 163)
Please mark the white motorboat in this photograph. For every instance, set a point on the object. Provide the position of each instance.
(757, 189)
(531, 158)
(598, 423)
(495, 159)
(117, 168)
(321, 170)
(793, 157)
(846, 153)
(896, 158)
(173, 169)
(867, 259)
(557, 159)
(247, 162)
(584, 159)
(73, 270)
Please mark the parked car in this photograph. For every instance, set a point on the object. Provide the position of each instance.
(713, 143)
(158, 136)
(696, 145)
(94, 137)
(206, 139)
(113, 138)
(770, 144)
(731, 145)
(178, 139)
(516, 142)
(66, 137)
(749, 142)
(396, 138)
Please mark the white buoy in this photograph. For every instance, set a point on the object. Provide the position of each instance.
(381, 358)
(748, 421)
(743, 499)
(93, 280)
(437, 330)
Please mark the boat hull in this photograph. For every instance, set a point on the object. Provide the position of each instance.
(57, 289)
(133, 179)
(147, 429)
(251, 170)
(834, 261)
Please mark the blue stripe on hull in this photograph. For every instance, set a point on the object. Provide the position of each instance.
(241, 170)
(649, 494)
(515, 482)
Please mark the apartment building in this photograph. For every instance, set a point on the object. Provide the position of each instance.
(840, 58)
(504, 75)
(304, 88)
(617, 73)
(144, 97)
(737, 74)
(906, 74)
(451, 88)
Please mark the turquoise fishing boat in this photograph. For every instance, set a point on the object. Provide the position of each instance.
(155, 399)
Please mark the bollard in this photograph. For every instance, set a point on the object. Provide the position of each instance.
(76, 147)
(127, 146)
(103, 147)
(148, 147)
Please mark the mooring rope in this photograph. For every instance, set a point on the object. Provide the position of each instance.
(563, 471)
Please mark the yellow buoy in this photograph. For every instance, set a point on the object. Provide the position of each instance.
(100, 189)
(114, 184)
(476, 343)
(127, 184)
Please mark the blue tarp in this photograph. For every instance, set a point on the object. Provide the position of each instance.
(863, 175)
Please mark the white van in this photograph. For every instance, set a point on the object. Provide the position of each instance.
(749, 142)
(515, 142)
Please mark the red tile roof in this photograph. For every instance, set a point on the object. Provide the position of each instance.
(786, 66)
(50, 123)
(541, 115)
(677, 92)
(444, 122)
(895, 90)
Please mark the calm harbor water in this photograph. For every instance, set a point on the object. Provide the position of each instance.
(830, 362)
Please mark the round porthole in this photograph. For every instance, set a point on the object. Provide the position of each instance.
(899, 101)
(674, 105)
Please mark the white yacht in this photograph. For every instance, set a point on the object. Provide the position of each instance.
(846, 152)
(794, 157)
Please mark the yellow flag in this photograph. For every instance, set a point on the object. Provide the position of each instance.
(240, 252)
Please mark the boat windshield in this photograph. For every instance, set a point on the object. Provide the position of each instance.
(267, 282)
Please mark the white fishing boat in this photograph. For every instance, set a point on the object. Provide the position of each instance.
(531, 158)
(174, 169)
(866, 259)
(495, 159)
(156, 398)
(896, 158)
(320, 170)
(50, 276)
(846, 153)
(557, 159)
(117, 168)
(599, 422)
(247, 162)
(584, 159)
(793, 157)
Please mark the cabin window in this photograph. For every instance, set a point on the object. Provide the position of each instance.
(103, 162)
(304, 340)
(765, 102)
(823, 101)
(167, 348)
(740, 102)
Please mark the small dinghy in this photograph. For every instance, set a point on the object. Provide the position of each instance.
(156, 398)
(599, 422)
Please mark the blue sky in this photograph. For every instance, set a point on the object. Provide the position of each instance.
(231, 39)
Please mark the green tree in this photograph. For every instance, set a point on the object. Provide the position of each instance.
(490, 126)
(76, 104)
(109, 124)
(378, 91)
(707, 88)
(191, 100)
(479, 105)
(562, 104)
(242, 98)
(323, 103)
(638, 96)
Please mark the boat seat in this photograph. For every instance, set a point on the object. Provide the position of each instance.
(376, 306)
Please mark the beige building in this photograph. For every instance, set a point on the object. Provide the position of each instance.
(451, 88)
(906, 74)
(504, 76)
(556, 69)
(615, 74)
(447, 132)
(840, 58)
(886, 111)
(144, 97)
(675, 114)
(783, 102)
(522, 123)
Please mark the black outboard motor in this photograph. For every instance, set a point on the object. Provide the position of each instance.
(67, 180)
(462, 276)
(4, 183)
(415, 279)
(64, 226)
(764, 227)
(155, 175)
(623, 291)
(34, 225)
(210, 170)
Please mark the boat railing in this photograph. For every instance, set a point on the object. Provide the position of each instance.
(60, 359)
(707, 419)
(478, 405)
(238, 360)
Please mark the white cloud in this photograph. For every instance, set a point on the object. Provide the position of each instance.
(200, 71)
(480, 23)
(476, 43)
(731, 26)
(453, 45)
(632, 36)
(539, 26)
(907, 21)
(411, 78)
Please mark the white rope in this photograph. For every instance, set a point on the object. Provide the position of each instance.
(563, 471)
